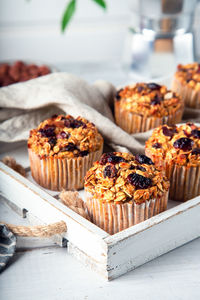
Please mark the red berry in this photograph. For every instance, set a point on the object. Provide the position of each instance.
(153, 86)
(169, 131)
(110, 171)
(139, 181)
(184, 144)
(143, 159)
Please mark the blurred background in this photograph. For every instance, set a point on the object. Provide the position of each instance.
(30, 30)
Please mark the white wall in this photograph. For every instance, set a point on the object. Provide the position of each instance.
(30, 29)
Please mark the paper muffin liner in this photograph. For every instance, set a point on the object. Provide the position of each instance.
(134, 123)
(184, 180)
(62, 173)
(190, 96)
(113, 217)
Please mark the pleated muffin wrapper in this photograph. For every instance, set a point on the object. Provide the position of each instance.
(62, 173)
(134, 123)
(114, 217)
(190, 96)
(184, 180)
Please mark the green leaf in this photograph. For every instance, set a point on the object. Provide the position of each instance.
(102, 3)
(132, 30)
(69, 11)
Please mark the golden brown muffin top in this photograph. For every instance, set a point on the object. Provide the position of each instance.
(149, 99)
(121, 177)
(65, 137)
(189, 75)
(180, 144)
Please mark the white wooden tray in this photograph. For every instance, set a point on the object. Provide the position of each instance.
(110, 255)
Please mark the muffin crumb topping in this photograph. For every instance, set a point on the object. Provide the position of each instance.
(120, 177)
(181, 144)
(149, 99)
(189, 74)
(65, 137)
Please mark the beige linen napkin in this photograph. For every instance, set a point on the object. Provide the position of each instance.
(24, 105)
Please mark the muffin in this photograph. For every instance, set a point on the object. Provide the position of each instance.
(186, 83)
(123, 190)
(177, 150)
(143, 106)
(61, 150)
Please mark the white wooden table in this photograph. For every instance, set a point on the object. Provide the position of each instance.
(50, 273)
(41, 270)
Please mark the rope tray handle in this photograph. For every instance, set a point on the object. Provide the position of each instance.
(39, 230)
(68, 198)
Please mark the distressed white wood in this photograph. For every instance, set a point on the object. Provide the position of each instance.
(80, 232)
(10, 215)
(152, 238)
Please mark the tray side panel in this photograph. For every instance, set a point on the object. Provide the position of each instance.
(129, 253)
(44, 207)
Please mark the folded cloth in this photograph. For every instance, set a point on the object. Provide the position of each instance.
(24, 105)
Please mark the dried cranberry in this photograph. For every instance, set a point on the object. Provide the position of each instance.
(83, 153)
(140, 168)
(115, 159)
(157, 145)
(169, 131)
(132, 167)
(110, 171)
(73, 123)
(184, 144)
(140, 88)
(52, 141)
(196, 151)
(117, 96)
(47, 131)
(156, 100)
(69, 147)
(84, 126)
(77, 124)
(63, 135)
(153, 86)
(104, 158)
(139, 181)
(111, 158)
(196, 133)
(67, 123)
(143, 159)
